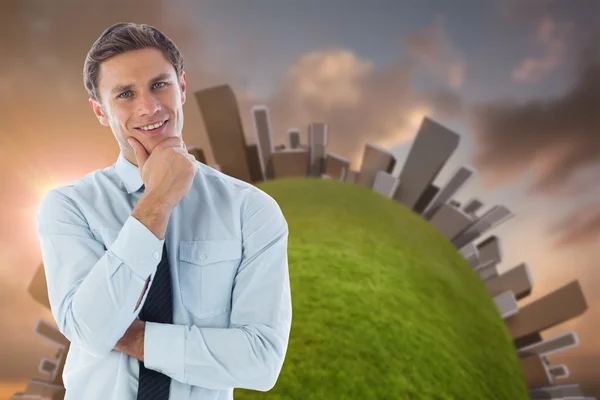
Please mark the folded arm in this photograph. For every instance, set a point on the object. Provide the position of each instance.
(94, 292)
(250, 353)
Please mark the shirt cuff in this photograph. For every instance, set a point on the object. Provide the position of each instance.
(164, 348)
(138, 248)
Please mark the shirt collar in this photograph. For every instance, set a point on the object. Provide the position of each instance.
(129, 174)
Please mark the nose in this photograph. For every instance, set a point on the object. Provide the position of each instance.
(147, 105)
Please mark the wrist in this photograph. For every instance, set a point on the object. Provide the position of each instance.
(153, 202)
(139, 342)
(153, 214)
(132, 342)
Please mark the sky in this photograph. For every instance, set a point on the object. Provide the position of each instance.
(518, 81)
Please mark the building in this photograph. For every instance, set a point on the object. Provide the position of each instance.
(290, 163)
(375, 159)
(223, 124)
(317, 149)
(335, 165)
(431, 149)
(264, 140)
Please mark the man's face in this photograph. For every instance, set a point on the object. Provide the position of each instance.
(138, 89)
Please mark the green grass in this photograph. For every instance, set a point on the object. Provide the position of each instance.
(384, 307)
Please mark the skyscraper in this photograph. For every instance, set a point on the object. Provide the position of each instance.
(375, 159)
(431, 149)
(317, 143)
(264, 139)
(221, 116)
(334, 165)
(293, 138)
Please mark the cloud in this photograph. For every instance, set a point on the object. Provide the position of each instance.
(558, 137)
(331, 78)
(433, 50)
(580, 227)
(362, 102)
(554, 140)
(550, 38)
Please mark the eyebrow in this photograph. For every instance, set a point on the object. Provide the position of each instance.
(124, 88)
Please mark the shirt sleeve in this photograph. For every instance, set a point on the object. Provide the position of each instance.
(93, 290)
(250, 353)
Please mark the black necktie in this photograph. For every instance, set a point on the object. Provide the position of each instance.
(158, 307)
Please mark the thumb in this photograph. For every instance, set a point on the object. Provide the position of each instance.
(140, 152)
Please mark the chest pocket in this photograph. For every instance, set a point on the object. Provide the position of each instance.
(207, 269)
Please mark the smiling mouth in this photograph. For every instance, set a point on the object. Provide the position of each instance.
(153, 127)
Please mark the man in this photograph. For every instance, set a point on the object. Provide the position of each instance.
(169, 278)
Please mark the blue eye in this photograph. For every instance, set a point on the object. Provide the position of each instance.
(157, 85)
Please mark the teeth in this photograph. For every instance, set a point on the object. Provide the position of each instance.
(151, 127)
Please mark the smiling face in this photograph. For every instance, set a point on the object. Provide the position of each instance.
(139, 91)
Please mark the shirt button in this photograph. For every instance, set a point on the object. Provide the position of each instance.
(155, 255)
(203, 256)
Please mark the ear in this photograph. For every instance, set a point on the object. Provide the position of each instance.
(97, 108)
(182, 86)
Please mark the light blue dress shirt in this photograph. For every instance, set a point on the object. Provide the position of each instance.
(227, 248)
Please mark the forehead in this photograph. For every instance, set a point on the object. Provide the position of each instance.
(133, 67)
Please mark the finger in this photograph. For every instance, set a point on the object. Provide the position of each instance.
(140, 152)
(174, 142)
(183, 151)
(193, 161)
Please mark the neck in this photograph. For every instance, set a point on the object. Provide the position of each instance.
(130, 157)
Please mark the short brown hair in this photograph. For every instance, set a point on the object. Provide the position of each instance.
(120, 38)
